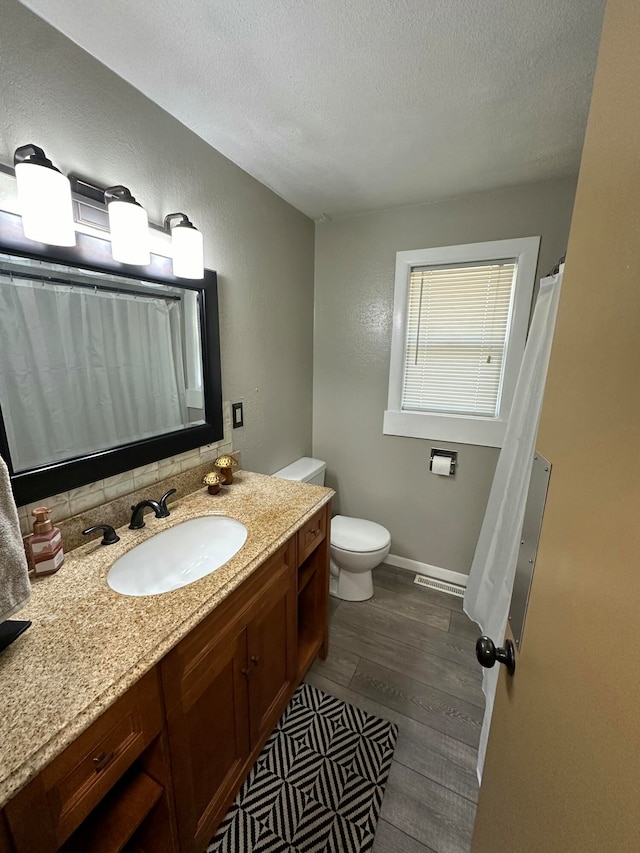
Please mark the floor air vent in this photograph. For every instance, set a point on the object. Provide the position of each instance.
(449, 588)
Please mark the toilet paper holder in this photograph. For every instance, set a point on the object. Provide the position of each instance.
(452, 455)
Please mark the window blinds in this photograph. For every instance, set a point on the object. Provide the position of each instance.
(457, 326)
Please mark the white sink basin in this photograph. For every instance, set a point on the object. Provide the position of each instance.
(178, 556)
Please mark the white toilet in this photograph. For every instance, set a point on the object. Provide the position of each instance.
(357, 546)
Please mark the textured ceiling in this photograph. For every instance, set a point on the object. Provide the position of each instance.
(343, 106)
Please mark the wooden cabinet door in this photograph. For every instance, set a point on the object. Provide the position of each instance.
(68, 789)
(208, 730)
(271, 636)
(5, 844)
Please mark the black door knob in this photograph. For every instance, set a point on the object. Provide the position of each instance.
(487, 654)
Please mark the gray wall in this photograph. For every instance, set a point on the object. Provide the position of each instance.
(432, 519)
(89, 121)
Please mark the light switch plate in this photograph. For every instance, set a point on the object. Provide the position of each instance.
(237, 416)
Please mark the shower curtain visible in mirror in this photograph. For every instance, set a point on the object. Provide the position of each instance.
(82, 370)
(488, 595)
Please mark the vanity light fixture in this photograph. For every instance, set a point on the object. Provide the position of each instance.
(187, 248)
(129, 227)
(44, 195)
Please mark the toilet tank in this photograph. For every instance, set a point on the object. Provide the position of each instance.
(304, 470)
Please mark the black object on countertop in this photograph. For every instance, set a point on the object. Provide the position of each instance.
(137, 513)
(10, 631)
(164, 509)
(110, 536)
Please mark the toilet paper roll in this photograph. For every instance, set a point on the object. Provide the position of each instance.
(441, 465)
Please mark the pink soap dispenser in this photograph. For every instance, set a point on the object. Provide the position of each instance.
(44, 547)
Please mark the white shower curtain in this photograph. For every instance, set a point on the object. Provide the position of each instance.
(82, 370)
(488, 595)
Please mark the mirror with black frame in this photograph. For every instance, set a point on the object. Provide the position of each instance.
(103, 367)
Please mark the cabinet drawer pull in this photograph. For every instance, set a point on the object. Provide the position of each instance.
(101, 761)
(255, 660)
(313, 532)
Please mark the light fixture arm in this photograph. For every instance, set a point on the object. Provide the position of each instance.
(86, 189)
(32, 154)
(184, 222)
(119, 193)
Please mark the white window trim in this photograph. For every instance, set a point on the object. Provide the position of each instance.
(464, 429)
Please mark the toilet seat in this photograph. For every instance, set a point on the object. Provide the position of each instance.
(358, 535)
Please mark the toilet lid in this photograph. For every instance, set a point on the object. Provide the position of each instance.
(356, 534)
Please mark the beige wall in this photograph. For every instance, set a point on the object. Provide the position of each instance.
(91, 122)
(385, 478)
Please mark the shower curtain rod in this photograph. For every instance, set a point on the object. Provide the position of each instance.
(98, 285)
(556, 269)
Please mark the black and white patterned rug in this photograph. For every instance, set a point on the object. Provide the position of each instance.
(317, 785)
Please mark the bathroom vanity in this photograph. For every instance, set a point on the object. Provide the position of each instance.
(130, 723)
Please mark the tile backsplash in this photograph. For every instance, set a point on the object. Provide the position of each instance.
(78, 501)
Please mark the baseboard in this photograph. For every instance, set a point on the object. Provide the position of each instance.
(425, 569)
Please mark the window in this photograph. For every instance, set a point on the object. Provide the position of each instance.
(460, 324)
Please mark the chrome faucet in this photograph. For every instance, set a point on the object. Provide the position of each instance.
(137, 513)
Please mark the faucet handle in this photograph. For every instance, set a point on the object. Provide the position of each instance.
(137, 513)
(110, 536)
(163, 503)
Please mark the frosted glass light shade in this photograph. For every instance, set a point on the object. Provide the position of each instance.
(129, 227)
(44, 196)
(188, 252)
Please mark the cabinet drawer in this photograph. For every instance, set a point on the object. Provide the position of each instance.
(64, 793)
(311, 534)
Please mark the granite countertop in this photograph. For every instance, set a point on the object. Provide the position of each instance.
(88, 644)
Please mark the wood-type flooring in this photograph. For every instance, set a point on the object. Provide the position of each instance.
(408, 655)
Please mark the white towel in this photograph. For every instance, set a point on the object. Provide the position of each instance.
(15, 588)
